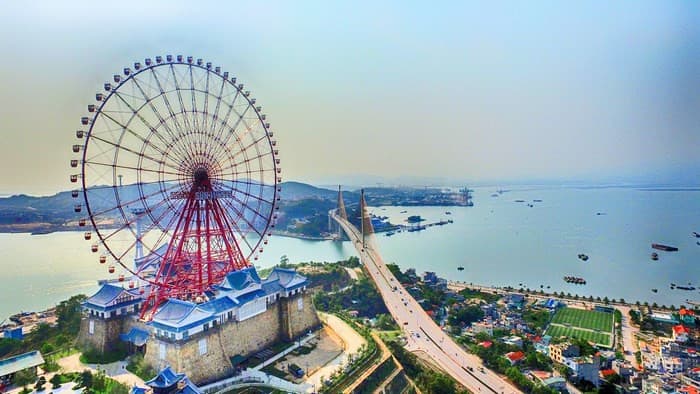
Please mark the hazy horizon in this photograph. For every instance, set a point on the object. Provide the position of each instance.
(463, 92)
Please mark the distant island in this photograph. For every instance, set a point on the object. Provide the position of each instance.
(303, 209)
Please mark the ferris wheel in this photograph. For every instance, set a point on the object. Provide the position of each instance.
(178, 177)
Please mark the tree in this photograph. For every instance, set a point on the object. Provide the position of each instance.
(86, 379)
(55, 381)
(441, 384)
(25, 377)
(69, 313)
(284, 261)
(385, 322)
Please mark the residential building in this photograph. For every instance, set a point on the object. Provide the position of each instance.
(559, 352)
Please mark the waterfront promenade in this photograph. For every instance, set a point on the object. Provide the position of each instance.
(422, 333)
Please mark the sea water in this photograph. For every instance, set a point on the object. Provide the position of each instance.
(498, 241)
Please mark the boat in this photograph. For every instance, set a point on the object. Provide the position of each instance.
(390, 233)
(689, 288)
(536, 200)
(696, 234)
(519, 200)
(654, 256)
(583, 257)
(403, 211)
(450, 221)
(414, 219)
(664, 248)
(460, 268)
(575, 280)
(655, 290)
(448, 213)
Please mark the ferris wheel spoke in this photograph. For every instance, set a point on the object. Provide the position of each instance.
(127, 203)
(151, 128)
(127, 223)
(242, 212)
(135, 153)
(112, 165)
(179, 97)
(233, 130)
(224, 122)
(234, 225)
(247, 193)
(155, 111)
(194, 101)
(205, 110)
(166, 101)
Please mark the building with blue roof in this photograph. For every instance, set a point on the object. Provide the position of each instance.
(168, 382)
(240, 316)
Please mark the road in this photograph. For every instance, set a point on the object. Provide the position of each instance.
(422, 333)
(628, 331)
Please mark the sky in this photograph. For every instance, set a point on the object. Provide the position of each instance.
(454, 92)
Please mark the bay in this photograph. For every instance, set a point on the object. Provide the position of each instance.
(498, 242)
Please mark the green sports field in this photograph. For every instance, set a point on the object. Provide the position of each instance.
(594, 320)
(571, 332)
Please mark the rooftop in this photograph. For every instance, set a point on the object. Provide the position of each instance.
(23, 361)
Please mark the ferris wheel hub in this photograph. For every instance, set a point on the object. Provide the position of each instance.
(201, 175)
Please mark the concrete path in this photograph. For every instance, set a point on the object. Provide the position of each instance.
(251, 377)
(352, 341)
(116, 370)
(285, 352)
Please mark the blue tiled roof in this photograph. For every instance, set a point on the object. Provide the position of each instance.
(219, 305)
(251, 296)
(271, 287)
(168, 378)
(165, 378)
(240, 279)
(287, 278)
(136, 336)
(180, 315)
(105, 295)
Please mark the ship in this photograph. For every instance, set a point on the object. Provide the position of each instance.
(696, 234)
(690, 288)
(583, 257)
(390, 233)
(664, 248)
(654, 256)
(414, 219)
(575, 280)
(655, 290)
(460, 268)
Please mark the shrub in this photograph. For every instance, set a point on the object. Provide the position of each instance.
(93, 356)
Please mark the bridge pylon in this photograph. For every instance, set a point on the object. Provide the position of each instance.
(341, 205)
(365, 220)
